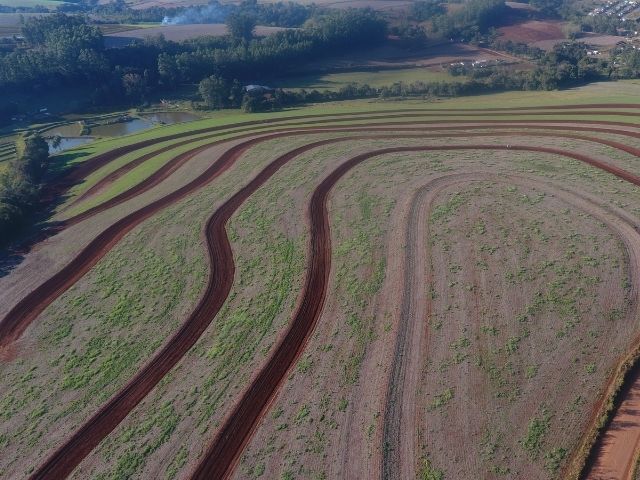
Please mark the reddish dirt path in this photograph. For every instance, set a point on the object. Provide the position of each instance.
(25, 311)
(73, 451)
(223, 454)
(81, 171)
(172, 165)
(87, 167)
(616, 450)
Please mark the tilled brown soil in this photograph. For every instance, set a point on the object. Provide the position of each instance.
(231, 438)
(403, 409)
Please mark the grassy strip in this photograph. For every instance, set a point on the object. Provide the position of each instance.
(142, 171)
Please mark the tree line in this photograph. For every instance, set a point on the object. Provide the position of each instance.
(567, 65)
(20, 184)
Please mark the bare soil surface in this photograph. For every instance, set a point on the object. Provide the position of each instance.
(434, 57)
(533, 31)
(540, 429)
(280, 461)
(616, 452)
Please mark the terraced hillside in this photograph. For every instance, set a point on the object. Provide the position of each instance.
(380, 290)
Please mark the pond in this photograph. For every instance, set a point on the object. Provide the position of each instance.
(70, 133)
(169, 118)
(67, 142)
(120, 129)
(68, 130)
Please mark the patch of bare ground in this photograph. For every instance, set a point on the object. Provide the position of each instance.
(533, 31)
(530, 290)
(616, 451)
(433, 57)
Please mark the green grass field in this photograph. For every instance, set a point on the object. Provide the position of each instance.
(375, 78)
(603, 92)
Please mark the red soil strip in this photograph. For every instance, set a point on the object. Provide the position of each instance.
(17, 320)
(224, 452)
(614, 453)
(87, 167)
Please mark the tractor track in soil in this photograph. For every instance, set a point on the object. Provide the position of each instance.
(234, 434)
(400, 415)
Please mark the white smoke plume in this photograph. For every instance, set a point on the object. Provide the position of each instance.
(214, 12)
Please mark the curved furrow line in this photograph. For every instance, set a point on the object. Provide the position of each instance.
(177, 161)
(172, 165)
(397, 462)
(26, 310)
(82, 170)
(224, 452)
(126, 168)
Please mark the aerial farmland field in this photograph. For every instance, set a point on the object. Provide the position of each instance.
(418, 289)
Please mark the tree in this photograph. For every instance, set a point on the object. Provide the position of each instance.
(32, 157)
(135, 85)
(424, 10)
(235, 94)
(168, 69)
(241, 26)
(20, 183)
(250, 103)
(214, 91)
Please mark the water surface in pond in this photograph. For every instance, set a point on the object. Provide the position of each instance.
(171, 117)
(120, 129)
(66, 143)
